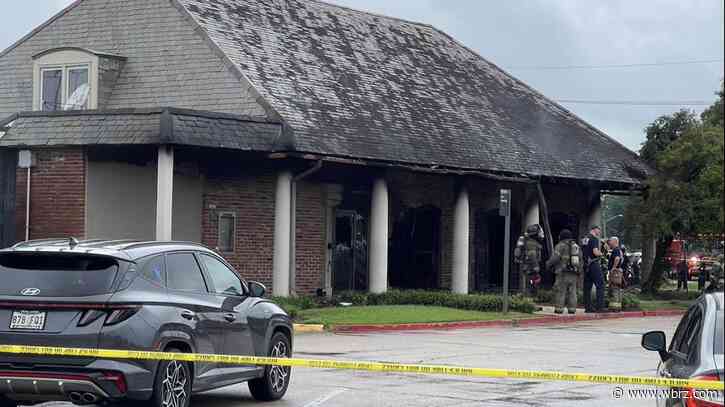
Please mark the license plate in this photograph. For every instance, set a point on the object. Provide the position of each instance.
(28, 320)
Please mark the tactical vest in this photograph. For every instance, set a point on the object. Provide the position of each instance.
(571, 257)
(533, 251)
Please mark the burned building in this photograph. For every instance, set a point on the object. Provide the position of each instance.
(318, 148)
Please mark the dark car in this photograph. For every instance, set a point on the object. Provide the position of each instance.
(696, 352)
(156, 296)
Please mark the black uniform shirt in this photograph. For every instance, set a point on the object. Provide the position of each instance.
(590, 244)
(616, 252)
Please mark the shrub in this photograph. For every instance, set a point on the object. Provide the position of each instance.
(544, 296)
(474, 302)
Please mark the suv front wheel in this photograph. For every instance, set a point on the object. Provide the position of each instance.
(273, 385)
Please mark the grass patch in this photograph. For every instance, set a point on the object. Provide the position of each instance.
(656, 305)
(397, 314)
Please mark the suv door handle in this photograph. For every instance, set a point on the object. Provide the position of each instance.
(230, 317)
(188, 315)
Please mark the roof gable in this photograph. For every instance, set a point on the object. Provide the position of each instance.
(351, 83)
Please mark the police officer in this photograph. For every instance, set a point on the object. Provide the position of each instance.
(567, 263)
(527, 255)
(593, 270)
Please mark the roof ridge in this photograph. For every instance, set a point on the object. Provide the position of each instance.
(372, 13)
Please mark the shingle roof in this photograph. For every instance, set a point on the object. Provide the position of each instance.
(142, 126)
(355, 84)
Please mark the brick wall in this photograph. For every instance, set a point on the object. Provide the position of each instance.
(57, 194)
(251, 199)
(310, 238)
(169, 64)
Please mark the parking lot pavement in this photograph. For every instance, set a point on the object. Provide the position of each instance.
(607, 346)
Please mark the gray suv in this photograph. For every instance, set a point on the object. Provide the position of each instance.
(696, 352)
(157, 296)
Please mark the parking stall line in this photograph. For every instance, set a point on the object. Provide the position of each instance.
(322, 400)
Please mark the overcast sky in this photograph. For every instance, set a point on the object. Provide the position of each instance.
(516, 34)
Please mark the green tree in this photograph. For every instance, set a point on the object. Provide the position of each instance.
(663, 132)
(612, 206)
(714, 115)
(686, 194)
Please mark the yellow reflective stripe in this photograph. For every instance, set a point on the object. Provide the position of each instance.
(362, 365)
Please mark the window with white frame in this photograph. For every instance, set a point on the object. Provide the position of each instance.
(65, 87)
(227, 232)
(66, 79)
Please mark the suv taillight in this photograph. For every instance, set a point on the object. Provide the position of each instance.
(119, 315)
(90, 316)
(113, 314)
(704, 398)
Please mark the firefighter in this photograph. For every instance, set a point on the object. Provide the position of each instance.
(567, 263)
(527, 255)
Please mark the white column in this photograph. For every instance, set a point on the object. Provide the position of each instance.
(532, 214)
(461, 225)
(378, 261)
(164, 192)
(595, 213)
(282, 231)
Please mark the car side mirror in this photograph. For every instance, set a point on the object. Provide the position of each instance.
(257, 289)
(656, 341)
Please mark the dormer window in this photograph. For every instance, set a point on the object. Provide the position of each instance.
(70, 78)
(65, 87)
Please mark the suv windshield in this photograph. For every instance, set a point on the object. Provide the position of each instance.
(56, 275)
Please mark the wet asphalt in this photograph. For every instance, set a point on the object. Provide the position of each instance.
(607, 347)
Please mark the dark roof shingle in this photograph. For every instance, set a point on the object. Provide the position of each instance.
(355, 84)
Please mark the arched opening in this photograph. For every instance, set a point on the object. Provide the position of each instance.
(415, 249)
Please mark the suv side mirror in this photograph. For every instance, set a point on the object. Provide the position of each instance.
(656, 341)
(257, 289)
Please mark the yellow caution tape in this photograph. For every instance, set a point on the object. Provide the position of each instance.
(362, 365)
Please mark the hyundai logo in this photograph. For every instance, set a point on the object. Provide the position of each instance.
(30, 291)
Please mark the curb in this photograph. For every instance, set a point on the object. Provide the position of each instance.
(308, 328)
(512, 323)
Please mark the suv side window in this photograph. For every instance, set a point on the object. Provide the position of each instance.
(154, 270)
(184, 274)
(222, 279)
(680, 332)
(691, 340)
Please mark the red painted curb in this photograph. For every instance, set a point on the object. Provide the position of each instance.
(545, 320)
